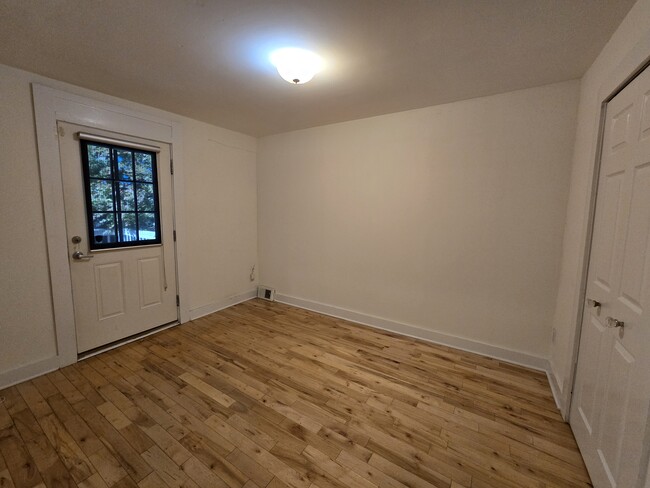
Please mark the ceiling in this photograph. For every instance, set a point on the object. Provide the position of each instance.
(208, 59)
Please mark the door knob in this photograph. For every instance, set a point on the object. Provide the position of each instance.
(79, 256)
(593, 303)
(612, 322)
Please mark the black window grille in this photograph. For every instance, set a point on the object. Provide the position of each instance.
(121, 189)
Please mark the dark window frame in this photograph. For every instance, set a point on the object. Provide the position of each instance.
(117, 211)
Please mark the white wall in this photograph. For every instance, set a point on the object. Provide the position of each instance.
(602, 76)
(221, 191)
(26, 317)
(448, 218)
(220, 205)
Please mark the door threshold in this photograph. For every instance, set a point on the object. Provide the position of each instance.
(127, 340)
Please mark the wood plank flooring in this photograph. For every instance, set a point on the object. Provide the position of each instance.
(267, 395)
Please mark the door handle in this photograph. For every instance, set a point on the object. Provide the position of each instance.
(79, 256)
(612, 322)
(593, 303)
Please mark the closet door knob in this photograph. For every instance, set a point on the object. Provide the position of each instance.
(612, 322)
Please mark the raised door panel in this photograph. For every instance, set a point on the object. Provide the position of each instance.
(616, 402)
(587, 393)
(609, 211)
(150, 281)
(109, 286)
(619, 130)
(633, 278)
(644, 132)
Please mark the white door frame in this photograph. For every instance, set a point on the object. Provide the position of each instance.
(51, 106)
(634, 62)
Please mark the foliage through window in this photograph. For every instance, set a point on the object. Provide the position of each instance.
(121, 187)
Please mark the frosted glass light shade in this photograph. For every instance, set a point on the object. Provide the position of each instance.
(295, 65)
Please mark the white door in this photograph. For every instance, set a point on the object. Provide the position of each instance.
(119, 219)
(609, 413)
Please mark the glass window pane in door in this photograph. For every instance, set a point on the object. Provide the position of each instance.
(104, 228)
(146, 202)
(143, 167)
(127, 198)
(99, 161)
(124, 165)
(129, 231)
(101, 195)
(146, 226)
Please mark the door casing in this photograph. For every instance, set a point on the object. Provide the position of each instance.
(51, 106)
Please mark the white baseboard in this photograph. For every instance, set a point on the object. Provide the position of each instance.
(508, 355)
(28, 371)
(228, 302)
(555, 389)
(561, 392)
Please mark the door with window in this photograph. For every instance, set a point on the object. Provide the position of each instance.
(610, 407)
(119, 219)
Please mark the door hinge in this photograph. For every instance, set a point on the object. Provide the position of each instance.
(178, 301)
(174, 233)
(171, 166)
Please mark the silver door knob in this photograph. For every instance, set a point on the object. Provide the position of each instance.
(79, 256)
(593, 303)
(612, 322)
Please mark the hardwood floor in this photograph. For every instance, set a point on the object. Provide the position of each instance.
(267, 395)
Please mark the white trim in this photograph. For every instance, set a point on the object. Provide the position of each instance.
(28, 371)
(182, 264)
(196, 313)
(555, 389)
(508, 355)
(51, 106)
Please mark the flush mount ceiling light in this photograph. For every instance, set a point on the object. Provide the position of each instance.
(295, 65)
